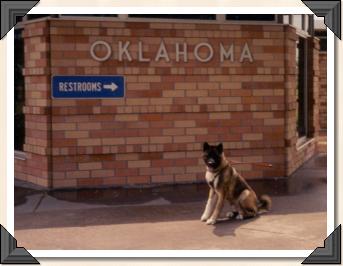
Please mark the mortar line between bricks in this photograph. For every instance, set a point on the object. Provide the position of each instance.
(39, 202)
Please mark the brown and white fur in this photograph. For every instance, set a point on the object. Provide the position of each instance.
(226, 183)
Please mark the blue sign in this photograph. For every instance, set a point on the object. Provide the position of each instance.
(88, 87)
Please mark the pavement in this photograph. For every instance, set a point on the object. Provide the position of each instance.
(168, 217)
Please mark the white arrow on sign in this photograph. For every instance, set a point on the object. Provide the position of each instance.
(111, 86)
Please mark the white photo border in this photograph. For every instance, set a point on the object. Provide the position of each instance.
(172, 253)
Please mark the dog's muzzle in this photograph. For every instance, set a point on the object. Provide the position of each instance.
(211, 162)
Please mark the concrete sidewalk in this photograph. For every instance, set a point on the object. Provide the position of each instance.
(169, 218)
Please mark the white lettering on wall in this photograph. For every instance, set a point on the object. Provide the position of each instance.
(140, 53)
(108, 51)
(123, 50)
(196, 52)
(246, 54)
(203, 52)
(162, 53)
(179, 52)
(226, 54)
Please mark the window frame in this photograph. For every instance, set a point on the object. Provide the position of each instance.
(306, 28)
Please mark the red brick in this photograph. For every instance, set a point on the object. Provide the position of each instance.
(102, 173)
(139, 164)
(173, 131)
(150, 171)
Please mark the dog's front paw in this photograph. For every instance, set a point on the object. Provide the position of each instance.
(211, 221)
(204, 218)
(231, 215)
(240, 217)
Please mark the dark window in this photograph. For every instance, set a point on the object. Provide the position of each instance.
(302, 92)
(255, 17)
(175, 16)
(19, 91)
(36, 16)
(19, 18)
(321, 34)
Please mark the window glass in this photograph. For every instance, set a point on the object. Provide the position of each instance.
(254, 17)
(19, 18)
(36, 16)
(19, 91)
(302, 95)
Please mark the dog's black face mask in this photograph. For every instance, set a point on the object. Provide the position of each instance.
(212, 155)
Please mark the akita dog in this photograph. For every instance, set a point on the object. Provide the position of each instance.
(226, 183)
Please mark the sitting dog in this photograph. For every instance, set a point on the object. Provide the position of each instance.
(226, 183)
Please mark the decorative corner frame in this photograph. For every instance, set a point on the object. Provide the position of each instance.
(330, 10)
(10, 253)
(10, 10)
(330, 253)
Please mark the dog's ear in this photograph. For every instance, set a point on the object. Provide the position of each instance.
(220, 148)
(206, 146)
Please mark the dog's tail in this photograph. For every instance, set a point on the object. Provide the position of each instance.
(265, 204)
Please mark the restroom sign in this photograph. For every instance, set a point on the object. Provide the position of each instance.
(87, 87)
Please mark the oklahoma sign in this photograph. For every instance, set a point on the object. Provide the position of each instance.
(180, 51)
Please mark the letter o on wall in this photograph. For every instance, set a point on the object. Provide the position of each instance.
(196, 52)
(108, 48)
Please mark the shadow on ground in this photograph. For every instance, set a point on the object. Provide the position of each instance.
(304, 192)
(228, 227)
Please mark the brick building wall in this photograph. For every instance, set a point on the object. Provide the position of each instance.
(154, 135)
(322, 91)
(299, 152)
(36, 167)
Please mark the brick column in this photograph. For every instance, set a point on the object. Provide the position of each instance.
(322, 91)
(296, 155)
(37, 104)
(314, 86)
(290, 96)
